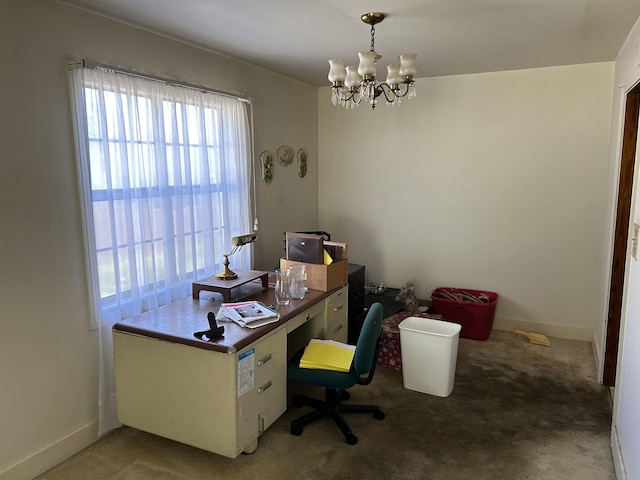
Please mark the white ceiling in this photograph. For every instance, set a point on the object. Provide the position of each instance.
(297, 37)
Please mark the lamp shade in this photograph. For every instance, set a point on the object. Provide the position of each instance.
(337, 72)
(408, 65)
(393, 74)
(353, 79)
(367, 63)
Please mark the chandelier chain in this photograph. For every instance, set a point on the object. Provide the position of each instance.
(373, 34)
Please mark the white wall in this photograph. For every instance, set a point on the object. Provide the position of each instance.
(493, 181)
(625, 434)
(48, 354)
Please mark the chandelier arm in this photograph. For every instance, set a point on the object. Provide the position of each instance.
(352, 97)
(390, 94)
(402, 90)
(345, 95)
(381, 89)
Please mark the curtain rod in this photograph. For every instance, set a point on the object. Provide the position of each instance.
(86, 63)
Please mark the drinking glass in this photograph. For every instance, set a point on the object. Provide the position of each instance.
(296, 281)
(282, 287)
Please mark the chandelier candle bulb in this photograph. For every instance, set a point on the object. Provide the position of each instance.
(393, 75)
(337, 72)
(353, 79)
(367, 64)
(408, 65)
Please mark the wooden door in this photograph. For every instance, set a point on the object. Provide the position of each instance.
(623, 212)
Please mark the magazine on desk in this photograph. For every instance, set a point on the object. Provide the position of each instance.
(248, 314)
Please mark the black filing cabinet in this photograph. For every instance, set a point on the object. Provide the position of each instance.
(356, 301)
(390, 306)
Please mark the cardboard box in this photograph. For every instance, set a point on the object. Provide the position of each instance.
(337, 251)
(325, 277)
(322, 277)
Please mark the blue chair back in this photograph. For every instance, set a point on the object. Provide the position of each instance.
(364, 360)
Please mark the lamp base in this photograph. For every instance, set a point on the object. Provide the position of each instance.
(225, 273)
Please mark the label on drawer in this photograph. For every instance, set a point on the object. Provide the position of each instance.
(246, 371)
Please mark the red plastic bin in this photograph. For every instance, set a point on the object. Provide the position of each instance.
(476, 319)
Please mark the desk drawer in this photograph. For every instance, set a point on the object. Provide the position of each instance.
(337, 314)
(261, 405)
(304, 317)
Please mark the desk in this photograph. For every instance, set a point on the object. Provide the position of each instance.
(219, 396)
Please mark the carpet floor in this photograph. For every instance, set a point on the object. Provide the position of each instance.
(517, 411)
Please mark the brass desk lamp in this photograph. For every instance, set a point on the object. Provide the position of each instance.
(237, 242)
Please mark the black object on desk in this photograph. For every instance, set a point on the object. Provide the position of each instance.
(214, 331)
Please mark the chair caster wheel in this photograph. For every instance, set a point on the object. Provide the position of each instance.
(378, 415)
(297, 431)
(351, 439)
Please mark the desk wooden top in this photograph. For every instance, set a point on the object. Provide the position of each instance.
(177, 321)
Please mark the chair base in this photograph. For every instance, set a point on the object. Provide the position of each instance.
(333, 409)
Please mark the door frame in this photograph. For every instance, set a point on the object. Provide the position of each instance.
(621, 234)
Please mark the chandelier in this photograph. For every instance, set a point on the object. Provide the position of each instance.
(351, 85)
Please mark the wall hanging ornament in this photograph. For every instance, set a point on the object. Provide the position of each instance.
(266, 159)
(285, 155)
(302, 162)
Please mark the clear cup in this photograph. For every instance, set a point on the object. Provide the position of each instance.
(282, 287)
(296, 282)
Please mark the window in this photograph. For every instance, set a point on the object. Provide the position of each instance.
(164, 180)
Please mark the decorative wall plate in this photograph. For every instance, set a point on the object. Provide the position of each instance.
(285, 155)
(266, 159)
(302, 162)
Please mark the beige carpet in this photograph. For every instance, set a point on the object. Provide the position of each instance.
(518, 411)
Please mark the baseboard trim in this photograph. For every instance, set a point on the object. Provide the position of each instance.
(598, 356)
(618, 460)
(53, 454)
(558, 331)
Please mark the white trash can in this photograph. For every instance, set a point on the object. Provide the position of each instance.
(429, 354)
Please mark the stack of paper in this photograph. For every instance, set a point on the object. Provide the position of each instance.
(328, 355)
(248, 314)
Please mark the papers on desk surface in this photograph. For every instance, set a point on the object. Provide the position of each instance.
(328, 355)
(250, 314)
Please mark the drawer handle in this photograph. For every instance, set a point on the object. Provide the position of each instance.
(262, 389)
(264, 360)
(338, 308)
(338, 328)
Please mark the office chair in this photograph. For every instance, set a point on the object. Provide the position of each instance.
(337, 383)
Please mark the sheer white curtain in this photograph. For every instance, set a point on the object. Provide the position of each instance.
(164, 175)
